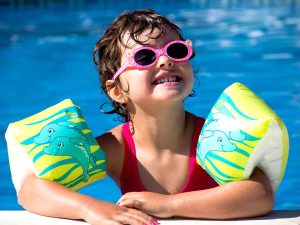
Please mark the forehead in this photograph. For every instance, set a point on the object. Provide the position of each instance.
(153, 38)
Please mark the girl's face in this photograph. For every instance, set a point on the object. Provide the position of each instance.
(165, 82)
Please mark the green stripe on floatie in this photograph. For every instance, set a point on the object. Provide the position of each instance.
(74, 182)
(242, 152)
(249, 137)
(231, 102)
(29, 140)
(220, 180)
(217, 170)
(217, 157)
(37, 156)
(66, 174)
(57, 164)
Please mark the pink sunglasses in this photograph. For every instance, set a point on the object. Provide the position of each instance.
(145, 57)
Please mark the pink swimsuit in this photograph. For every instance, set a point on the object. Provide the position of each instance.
(130, 180)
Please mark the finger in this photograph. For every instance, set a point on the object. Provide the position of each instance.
(128, 219)
(141, 216)
(128, 195)
(131, 203)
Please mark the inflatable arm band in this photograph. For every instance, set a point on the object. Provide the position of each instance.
(241, 133)
(57, 145)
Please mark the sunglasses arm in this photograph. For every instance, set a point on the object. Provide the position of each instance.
(120, 70)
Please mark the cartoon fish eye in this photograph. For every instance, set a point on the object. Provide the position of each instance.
(60, 144)
(219, 139)
(50, 131)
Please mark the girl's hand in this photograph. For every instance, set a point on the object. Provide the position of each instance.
(96, 212)
(151, 203)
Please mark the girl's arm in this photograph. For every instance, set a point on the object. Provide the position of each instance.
(51, 199)
(253, 197)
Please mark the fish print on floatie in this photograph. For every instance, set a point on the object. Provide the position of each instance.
(66, 139)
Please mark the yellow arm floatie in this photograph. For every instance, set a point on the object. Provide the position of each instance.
(57, 145)
(241, 133)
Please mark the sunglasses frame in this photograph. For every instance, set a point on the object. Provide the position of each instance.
(158, 52)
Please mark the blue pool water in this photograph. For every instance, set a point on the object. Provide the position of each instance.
(46, 57)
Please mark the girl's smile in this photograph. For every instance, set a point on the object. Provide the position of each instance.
(166, 78)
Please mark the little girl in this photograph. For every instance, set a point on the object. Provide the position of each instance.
(144, 68)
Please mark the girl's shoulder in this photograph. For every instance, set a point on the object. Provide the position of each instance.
(112, 138)
(112, 143)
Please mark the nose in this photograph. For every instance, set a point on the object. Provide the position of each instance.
(164, 62)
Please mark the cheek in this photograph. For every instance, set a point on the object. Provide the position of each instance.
(134, 81)
(191, 73)
(187, 70)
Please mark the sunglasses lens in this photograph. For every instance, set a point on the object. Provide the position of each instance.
(177, 51)
(144, 57)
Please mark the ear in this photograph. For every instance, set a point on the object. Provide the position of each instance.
(115, 92)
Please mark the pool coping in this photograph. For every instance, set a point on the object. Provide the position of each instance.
(280, 217)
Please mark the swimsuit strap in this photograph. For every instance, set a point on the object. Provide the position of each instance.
(130, 178)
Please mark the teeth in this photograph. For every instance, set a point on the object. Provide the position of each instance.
(166, 79)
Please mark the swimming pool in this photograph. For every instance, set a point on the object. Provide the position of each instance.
(46, 57)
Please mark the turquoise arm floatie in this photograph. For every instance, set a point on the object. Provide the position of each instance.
(59, 145)
(241, 133)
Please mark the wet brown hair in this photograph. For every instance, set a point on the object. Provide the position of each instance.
(107, 53)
